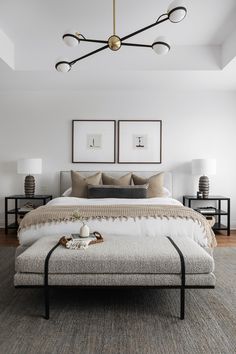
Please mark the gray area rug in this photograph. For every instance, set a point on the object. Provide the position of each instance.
(119, 321)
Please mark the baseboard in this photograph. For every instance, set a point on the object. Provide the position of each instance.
(233, 225)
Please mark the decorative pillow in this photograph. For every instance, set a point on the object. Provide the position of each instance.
(106, 191)
(155, 183)
(166, 193)
(122, 181)
(80, 183)
(67, 193)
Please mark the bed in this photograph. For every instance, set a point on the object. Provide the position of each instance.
(145, 226)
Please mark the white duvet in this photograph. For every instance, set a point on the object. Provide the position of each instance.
(145, 227)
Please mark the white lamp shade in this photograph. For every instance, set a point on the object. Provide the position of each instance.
(63, 66)
(205, 167)
(70, 39)
(29, 166)
(161, 46)
(176, 11)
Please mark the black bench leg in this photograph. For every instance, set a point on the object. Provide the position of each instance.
(182, 303)
(46, 302)
(46, 287)
(183, 280)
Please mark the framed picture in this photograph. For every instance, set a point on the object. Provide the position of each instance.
(93, 141)
(139, 141)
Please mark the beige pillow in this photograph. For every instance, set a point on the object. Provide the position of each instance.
(155, 188)
(80, 183)
(122, 181)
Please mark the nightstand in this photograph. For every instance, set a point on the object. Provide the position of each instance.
(16, 211)
(188, 200)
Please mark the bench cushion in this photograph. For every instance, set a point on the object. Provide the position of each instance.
(117, 255)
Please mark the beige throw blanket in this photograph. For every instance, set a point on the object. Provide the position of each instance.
(57, 214)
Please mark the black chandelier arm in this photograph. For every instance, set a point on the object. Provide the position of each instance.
(81, 38)
(89, 54)
(137, 45)
(92, 40)
(145, 28)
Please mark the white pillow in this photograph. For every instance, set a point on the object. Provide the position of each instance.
(67, 193)
(166, 193)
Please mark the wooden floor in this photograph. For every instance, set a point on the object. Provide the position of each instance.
(222, 239)
(226, 241)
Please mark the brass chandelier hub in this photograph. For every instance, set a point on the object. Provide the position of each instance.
(114, 42)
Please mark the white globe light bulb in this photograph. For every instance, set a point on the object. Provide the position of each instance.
(176, 11)
(161, 46)
(70, 39)
(63, 66)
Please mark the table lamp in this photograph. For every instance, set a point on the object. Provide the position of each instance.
(29, 167)
(204, 168)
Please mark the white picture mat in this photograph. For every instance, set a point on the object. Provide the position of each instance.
(152, 152)
(81, 131)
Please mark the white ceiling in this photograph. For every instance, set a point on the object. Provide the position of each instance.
(198, 45)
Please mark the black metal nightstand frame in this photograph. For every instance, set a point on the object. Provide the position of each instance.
(219, 212)
(15, 211)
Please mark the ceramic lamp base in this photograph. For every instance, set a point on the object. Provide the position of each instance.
(29, 186)
(204, 186)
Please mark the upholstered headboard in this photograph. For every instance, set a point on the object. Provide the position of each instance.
(65, 177)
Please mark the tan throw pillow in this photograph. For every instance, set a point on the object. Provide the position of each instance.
(80, 183)
(155, 188)
(122, 181)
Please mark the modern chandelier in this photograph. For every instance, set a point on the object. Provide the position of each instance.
(175, 13)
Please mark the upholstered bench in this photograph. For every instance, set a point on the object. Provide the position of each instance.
(118, 261)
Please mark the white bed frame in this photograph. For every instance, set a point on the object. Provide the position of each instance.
(65, 177)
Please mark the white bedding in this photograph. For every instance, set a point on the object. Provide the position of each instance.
(145, 227)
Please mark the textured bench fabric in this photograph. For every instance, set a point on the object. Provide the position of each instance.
(117, 255)
(31, 279)
(118, 261)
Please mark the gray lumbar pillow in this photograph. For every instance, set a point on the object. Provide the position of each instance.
(111, 191)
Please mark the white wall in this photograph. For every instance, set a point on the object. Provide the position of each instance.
(38, 124)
